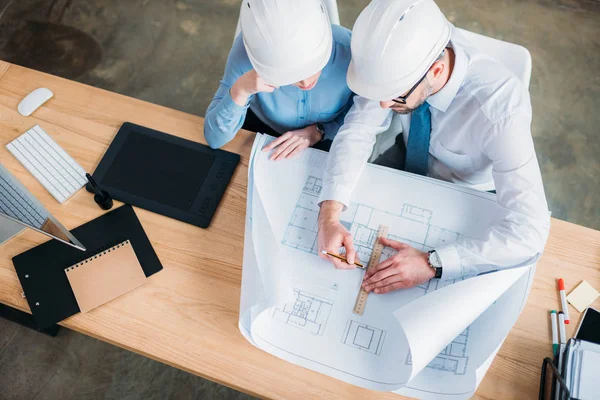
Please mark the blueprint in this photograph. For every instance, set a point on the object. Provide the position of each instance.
(363, 221)
(436, 340)
(308, 312)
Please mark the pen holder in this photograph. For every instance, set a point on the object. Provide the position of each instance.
(104, 201)
(552, 383)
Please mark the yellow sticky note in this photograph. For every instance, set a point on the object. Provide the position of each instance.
(582, 296)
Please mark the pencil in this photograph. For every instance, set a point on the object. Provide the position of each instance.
(359, 265)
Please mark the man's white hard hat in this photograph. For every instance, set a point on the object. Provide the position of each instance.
(394, 43)
(286, 40)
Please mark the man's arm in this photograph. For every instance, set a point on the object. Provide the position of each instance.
(352, 147)
(520, 236)
(333, 127)
(349, 153)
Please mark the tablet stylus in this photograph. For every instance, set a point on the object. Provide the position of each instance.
(101, 197)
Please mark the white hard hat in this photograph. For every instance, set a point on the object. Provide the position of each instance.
(394, 43)
(286, 40)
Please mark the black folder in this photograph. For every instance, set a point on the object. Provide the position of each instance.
(41, 270)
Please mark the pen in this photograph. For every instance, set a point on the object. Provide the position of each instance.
(359, 265)
(563, 299)
(101, 197)
(561, 327)
(559, 363)
(554, 322)
(93, 183)
(561, 347)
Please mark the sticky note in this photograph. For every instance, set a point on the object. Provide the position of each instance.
(582, 296)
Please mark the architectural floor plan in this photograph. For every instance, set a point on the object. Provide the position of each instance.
(363, 221)
(363, 337)
(453, 358)
(308, 312)
(433, 341)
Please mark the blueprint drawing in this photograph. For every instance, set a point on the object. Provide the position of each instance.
(432, 341)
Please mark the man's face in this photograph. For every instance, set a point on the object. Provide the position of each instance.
(416, 98)
(308, 83)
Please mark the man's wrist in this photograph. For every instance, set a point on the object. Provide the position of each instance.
(430, 270)
(330, 210)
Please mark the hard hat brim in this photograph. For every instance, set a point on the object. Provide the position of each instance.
(283, 77)
(384, 91)
(374, 91)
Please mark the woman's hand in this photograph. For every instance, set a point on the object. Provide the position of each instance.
(293, 142)
(248, 84)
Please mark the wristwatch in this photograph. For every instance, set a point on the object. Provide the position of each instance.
(436, 263)
(321, 130)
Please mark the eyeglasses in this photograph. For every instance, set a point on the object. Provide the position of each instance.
(402, 99)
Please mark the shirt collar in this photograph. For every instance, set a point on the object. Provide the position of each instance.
(442, 99)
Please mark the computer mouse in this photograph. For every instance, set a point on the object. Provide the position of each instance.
(34, 100)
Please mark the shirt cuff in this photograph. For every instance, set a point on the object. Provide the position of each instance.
(339, 193)
(451, 265)
(230, 106)
(331, 129)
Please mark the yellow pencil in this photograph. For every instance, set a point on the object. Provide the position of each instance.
(359, 265)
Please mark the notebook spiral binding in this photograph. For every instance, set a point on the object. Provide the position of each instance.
(95, 256)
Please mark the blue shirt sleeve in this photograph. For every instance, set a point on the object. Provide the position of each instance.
(224, 117)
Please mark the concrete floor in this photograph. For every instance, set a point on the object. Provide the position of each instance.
(173, 53)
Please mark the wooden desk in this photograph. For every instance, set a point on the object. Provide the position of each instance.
(187, 315)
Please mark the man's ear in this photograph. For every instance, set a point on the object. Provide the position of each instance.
(437, 69)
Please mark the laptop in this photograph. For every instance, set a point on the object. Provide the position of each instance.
(9, 229)
(19, 209)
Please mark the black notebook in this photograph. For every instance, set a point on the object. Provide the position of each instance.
(165, 174)
(41, 270)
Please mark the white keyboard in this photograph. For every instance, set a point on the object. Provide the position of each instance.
(48, 163)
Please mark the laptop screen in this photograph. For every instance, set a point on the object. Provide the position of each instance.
(17, 204)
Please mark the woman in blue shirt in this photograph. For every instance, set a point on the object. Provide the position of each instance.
(285, 75)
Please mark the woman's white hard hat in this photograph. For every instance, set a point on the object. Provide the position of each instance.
(286, 40)
(394, 43)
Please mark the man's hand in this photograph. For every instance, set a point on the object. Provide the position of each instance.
(247, 85)
(332, 235)
(410, 267)
(293, 142)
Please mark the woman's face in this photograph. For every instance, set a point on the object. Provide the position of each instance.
(308, 83)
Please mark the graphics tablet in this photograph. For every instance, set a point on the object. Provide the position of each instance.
(165, 174)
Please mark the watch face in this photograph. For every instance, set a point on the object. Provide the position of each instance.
(434, 259)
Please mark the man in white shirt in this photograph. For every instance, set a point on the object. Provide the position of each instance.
(465, 119)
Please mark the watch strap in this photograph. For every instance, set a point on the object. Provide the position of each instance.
(321, 130)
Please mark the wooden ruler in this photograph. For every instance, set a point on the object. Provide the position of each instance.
(361, 300)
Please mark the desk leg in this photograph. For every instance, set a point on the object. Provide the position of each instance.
(25, 320)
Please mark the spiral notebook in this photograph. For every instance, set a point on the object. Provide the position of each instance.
(41, 270)
(105, 276)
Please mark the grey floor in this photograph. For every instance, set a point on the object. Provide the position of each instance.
(173, 53)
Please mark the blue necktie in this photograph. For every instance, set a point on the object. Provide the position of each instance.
(417, 148)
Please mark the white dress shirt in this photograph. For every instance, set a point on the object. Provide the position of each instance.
(480, 138)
